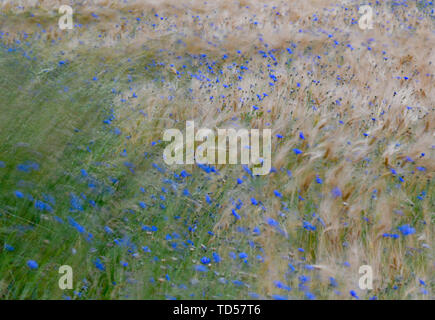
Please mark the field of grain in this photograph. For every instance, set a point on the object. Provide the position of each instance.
(83, 182)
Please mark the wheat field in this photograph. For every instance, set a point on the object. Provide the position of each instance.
(83, 182)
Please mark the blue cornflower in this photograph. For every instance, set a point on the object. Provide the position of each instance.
(272, 222)
(99, 265)
(8, 247)
(336, 192)
(278, 297)
(108, 230)
(308, 226)
(201, 268)
(124, 263)
(41, 206)
(18, 194)
(406, 230)
(235, 214)
(353, 294)
(76, 203)
(216, 257)
(76, 225)
(304, 278)
(237, 282)
(243, 255)
(310, 296)
(280, 285)
(32, 264)
(333, 282)
(297, 151)
(277, 193)
(208, 199)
